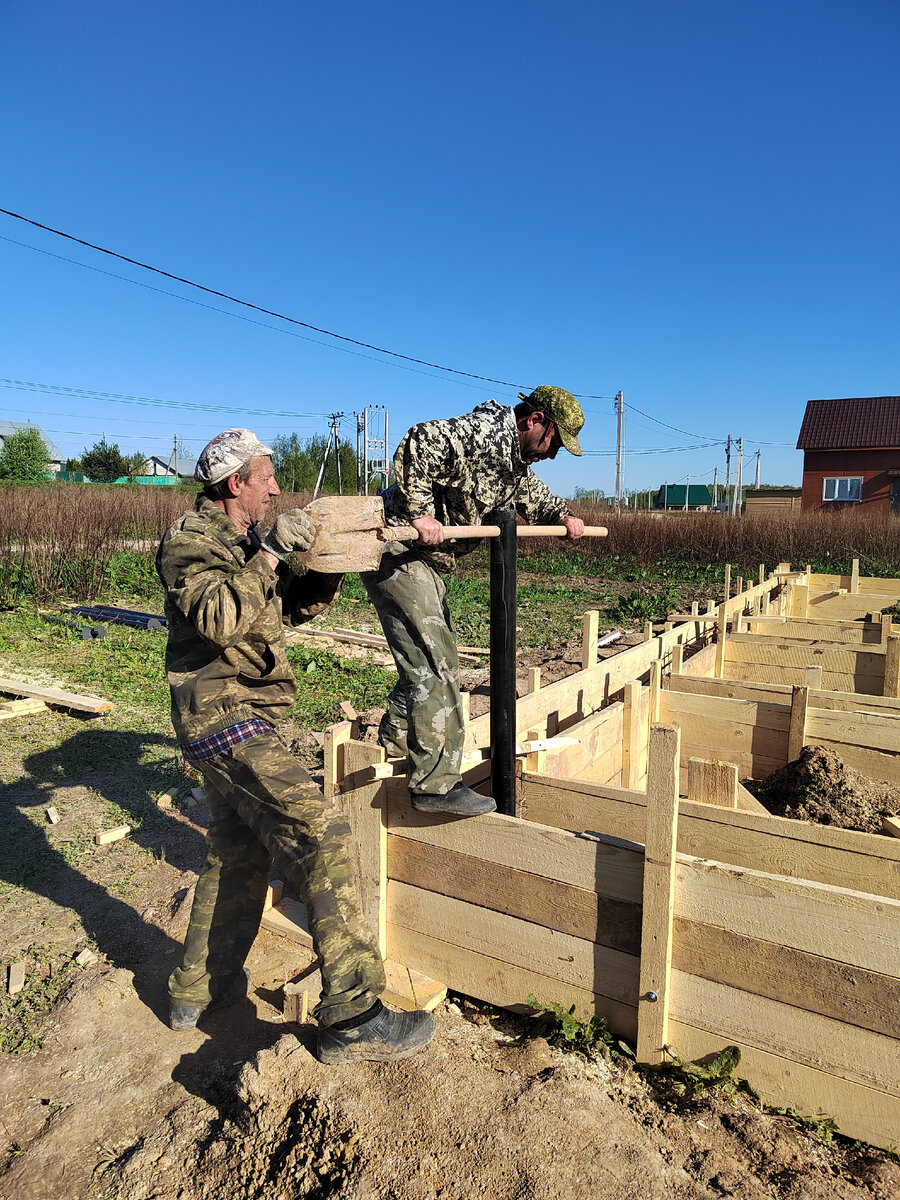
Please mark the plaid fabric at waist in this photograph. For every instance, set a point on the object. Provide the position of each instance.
(217, 743)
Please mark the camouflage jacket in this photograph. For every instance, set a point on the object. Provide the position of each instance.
(226, 610)
(460, 469)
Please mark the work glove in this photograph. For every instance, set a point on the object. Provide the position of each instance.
(292, 531)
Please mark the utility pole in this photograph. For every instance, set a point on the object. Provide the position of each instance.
(757, 467)
(738, 480)
(728, 470)
(687, 493)
(620, 446)
(332, 437)
(715, 488)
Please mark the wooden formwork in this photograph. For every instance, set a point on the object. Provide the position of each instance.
(651, 889)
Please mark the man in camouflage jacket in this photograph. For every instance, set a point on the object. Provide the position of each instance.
(455, 472)
(229, 593)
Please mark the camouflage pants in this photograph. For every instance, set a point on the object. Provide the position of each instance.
(262, 806)
(423, 712)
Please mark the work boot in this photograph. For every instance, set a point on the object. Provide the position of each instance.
(461, 801)
(392, 738)
(186, 1016)
(384, 1037)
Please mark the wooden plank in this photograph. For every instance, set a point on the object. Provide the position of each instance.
(891, 826)
(809, 982)
(288, 920)
(410, 990)
(842, 857)
(274, 894)
(106, 836)
(861, 1112)
(747, 802)
(632, 716)
(797, 675)
(781, 692)
(873, 730)
(365, 812)
(659, 893)
(712, 782)
(834, 1047)
(854, 576)
(800, 601)
(590, 632)
(838, 923)
(21, 708)
(655, 687)
(501, 983)
(727, 588)
(557, 956)
(611, 868)
(336, 738)
(89, 704)
(535, 898)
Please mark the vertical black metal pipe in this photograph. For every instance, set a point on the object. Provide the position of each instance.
(503, 662)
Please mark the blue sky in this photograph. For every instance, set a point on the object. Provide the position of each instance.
(696, 204)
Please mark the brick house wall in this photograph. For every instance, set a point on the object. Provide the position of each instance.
(871, 465)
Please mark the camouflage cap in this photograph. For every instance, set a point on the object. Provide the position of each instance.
(563, 410)
(227, 453)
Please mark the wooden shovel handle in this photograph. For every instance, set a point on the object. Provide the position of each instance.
(406, 533)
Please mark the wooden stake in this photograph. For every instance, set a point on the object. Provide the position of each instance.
(892, 666)
(336, 738)
(677, 659)
(16, 978)
(464, 705)
(721, 633)
(740, 585)
(854, 577)
(648, 631)
(534, 762)
(52, 815)
(762, 573)
(655, 687)
(711, 782)
(797, 733)
(590, 632)
(368, 820)
(534, 680)
(631, 735)
(295, 1002)
(886, 627)
(800, 601)
(659, 893)
(274, 892)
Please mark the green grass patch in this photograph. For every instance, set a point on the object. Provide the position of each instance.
(325, 679)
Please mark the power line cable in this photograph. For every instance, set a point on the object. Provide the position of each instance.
(663, 423)
(269, 312)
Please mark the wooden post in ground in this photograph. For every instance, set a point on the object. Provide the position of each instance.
(762, 573)
(695, 608)
(534, 680)
(892, 666)
(659, 893)
(336, 738)
(740, 586)
(854, 577)
(367, 815)
(728, 581)
(797, 733)
(534, 762)
(737, 624)
(631, 735)
(655, 687)
(711, 782)
(590, 633)
(648, 631)
(886, 628)
(677, 659)
(721, 633)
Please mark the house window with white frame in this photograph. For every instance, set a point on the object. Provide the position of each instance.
(842, 487)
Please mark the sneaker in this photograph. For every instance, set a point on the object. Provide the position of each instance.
(386, 1037)
(186, 1016)
(460, 801)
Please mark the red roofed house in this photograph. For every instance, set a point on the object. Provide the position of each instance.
(851, 453)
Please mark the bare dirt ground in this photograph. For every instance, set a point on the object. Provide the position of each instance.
(108, 1102)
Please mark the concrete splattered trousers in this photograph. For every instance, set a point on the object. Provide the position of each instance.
(263, 805)
(424, 714)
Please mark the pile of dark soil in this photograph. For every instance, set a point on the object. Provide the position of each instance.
(818, 786)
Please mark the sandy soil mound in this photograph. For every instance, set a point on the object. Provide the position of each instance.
(818, 786)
